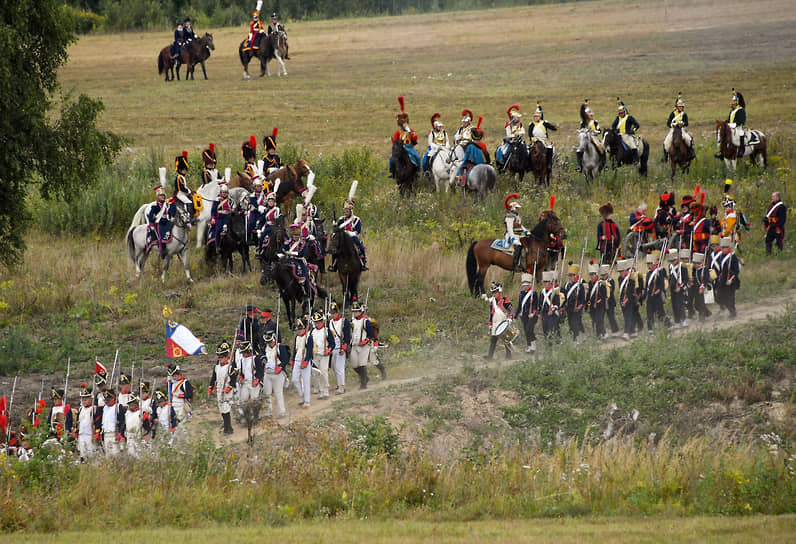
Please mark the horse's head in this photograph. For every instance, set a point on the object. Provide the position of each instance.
(208, 40)
(583, 137)
(553, 225)
(183, 216)
(302, 168)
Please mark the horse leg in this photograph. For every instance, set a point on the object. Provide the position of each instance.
(165, 267)
(203, 69)
(184, 258)
(282, 65)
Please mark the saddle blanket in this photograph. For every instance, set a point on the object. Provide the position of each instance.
(500, 245)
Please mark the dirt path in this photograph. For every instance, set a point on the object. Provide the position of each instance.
(361, 402)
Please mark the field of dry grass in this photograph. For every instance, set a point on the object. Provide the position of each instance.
(345, 74)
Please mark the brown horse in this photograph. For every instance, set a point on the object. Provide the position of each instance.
(678, 152)
(756, 150)
(272, 46)
(537, 163)
(166, 63)
(291, 185)
(481, 256)
(197, 52)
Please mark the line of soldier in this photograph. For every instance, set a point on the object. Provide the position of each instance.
(689, 278)
(255, 368)
(107, 422)
(624, 124)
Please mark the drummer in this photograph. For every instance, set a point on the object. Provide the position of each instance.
(500, 316)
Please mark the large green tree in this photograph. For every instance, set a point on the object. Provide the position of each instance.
(59, 155)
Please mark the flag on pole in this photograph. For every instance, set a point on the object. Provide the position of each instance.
(180, 342)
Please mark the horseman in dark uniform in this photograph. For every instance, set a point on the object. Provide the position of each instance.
(678, 117)
(627, 127)
(219, 215)
(353, 227)
(209, 172)
(182, 191)
(538, 132)
(406, 135)
(257, 205)
(296, 250)
(256, 30)
(271, 161)
(515, 131)
(179, 39)
(248, 151)
(160, 219)
(276, 26)
(737, 121)
(270, 214)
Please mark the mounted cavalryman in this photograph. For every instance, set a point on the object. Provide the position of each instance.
(627, 127)
(406, 135)
(352, 225)
(737, 121)
(588, 122)
(160, 217)
(209, 172)
(514, 228)
(515, 131)
(539, 128)
(475, 153)
(182, 191)
(271, 161)
(678, 118)
(256, 30)
(437, 141)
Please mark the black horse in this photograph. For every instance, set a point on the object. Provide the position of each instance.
(517, 162)
(349, 269)
(235, 240)
(270, 248)
(292, 292)
(404, 170)
(620, 155)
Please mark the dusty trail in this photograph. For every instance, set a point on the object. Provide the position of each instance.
(354, 398)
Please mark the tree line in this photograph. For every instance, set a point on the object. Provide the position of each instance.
(122, 15)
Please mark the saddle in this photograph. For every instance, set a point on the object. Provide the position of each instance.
(501, 245)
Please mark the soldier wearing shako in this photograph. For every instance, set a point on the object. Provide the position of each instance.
(59, 407)
(406, 136)
(596, 299)
(341, 330)
(182, 393)
(515, 131)
(528, 311)
(85, 425)
(713, 261)
(319, 347)
(146, 396)
(475, 152)
(137, 426)
(270, 214)
(271, 161)
(678, 287)
(182, 192)
(302, 356)
(257, 205)
(463, 134)
(111, 424)
(588, 122)
(363, 337)
(437, 141)
(514, 229)
(655, 291)
(608, 237)
(223, 381)
(774, 222)
(248, 150)
(610, 301)
(219, 216)
(209, 171)
(165, 417)
(629, 290)
(256, 29)
(701, 229)
(627, 127)
(685, 262)
(352, 225)
(703, 277)
(552, 303)
(296, 251)
(538, 132)
(678, 118)
(124, 390)
(729, 276)
(160, 217)
(500, 310)
(275, 358)
(729, 225)
(737, 121)
(575, 296)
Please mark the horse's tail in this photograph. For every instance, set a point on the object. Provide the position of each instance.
(645, 155)
(471, 266)
(131, 243)
(161, 64)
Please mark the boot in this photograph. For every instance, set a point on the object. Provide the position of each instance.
(333, 266)
(392, 170)
(227, 423)
(363, 376)
(740, 151)
(579, 155)
(517, 255)
(492, 345)
(382, 371)
(363, 262)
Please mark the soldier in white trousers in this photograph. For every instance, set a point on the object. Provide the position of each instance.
(85, 425)
(341, 330)
(250, 373)
(322, 344)
(223, 382)
(301, 363)
(275, 359)
(361, 343)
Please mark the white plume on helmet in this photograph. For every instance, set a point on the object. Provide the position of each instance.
(277, 183)
(309, 194)
(227, 174)
(162, 175)
(353, 190)
(310, 179)
(260, 165)
(259, 5)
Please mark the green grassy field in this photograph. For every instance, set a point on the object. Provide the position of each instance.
(74, 295)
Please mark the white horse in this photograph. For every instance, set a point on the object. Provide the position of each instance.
(178, 245)
(593, 161)
(455, 159)
(441, 168)
(209, 193)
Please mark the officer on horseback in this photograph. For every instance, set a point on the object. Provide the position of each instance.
(678, 118)
(588, 122)
(406, 135)
(296, 249)
(176, 47)
(270, 214)
(160, 217)
(248, 151)
(256, 31)
(187, 32)
(182, 192)
(352, 225)
(219, 213)
(209, 171)
(437, 141)
(463, 133)
(737, 121)
(308, 230)
(514, 228)
(257, 203)
(627, 127)
(515, 131)
(276, 26)
(271, 161)
(539, 133)
(475, 152)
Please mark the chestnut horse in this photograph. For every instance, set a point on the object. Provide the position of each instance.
(481, 256)
(291, 185)
(756, 150)
(678, 152)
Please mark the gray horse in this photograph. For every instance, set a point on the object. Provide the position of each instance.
(178, 245)
(593, 159)
(480, 181)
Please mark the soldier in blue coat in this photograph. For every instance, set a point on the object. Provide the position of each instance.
(176, 47)
(296, 250)
(528, 311)
(728, 279)
(352, 224)
(655, 292)
(575, 294)
(160, 217)
(774, 222)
